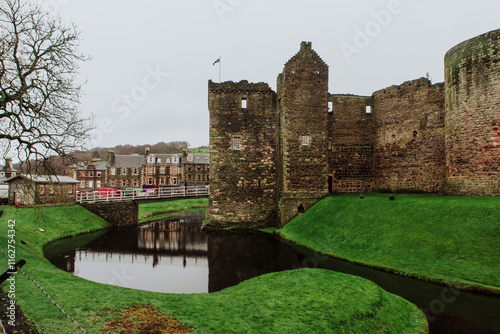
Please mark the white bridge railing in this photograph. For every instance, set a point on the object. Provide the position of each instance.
(109, 195)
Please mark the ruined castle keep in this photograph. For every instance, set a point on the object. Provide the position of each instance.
(276, 154)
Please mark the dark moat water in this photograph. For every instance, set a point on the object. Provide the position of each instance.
(176, 256)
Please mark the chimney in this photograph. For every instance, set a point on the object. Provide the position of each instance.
(8, 164)
(111, 156)
(147, 151)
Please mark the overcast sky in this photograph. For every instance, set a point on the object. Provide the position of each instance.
(151, 59)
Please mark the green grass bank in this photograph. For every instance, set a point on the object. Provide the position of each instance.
(156, 210)
(306, 300)
(443, 239)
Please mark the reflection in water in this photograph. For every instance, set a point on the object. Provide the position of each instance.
(175, 255)
(235, 258)
(172, 255)
(168, 256)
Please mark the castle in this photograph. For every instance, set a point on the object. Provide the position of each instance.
(276, 154)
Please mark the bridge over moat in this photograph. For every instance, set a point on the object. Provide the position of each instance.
(120, 207)
(113, 195)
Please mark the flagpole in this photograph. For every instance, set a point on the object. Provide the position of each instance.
(220, 67)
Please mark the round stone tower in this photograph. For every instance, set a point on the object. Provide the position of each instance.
(472, 88)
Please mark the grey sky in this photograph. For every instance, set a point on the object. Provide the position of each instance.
(129, 40)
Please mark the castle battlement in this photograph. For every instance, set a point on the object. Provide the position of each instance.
(242, 86)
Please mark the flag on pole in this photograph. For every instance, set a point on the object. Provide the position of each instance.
(217, 61)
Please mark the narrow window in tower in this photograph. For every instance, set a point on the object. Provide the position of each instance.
(244, 103)
(329, 144)
(368, 109)
(236, 143)
(330, 106)
(306, 140)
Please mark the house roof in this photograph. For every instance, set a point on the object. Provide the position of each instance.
(100, 165)
(45, 178)
(166, 159)
(128, 161)
(199, 159)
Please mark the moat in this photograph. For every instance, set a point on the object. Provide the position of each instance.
(174, 255)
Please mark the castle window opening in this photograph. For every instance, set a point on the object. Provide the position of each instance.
(329, 144)
(415, 133)
(150, 181)
(135, 183)
(124, 183)
(244, 103)
(51, 190)
(301, 209)
(124, 171)
(368, 109)
(42, 189)
(236, 143)
(330, 106)
(306, 140)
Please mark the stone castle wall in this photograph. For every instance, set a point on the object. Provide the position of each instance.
(242, 181)
(351, 135)
(409, 138)
(301, 143)
(472, 77)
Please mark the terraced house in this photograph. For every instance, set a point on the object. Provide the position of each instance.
(162, 169)
(92, 176)
(196, 169)
(125, 171)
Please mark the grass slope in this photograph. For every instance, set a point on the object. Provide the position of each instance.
(308, 300)
(148, 210)
(441, 238)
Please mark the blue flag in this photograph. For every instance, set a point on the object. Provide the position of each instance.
(217, 61)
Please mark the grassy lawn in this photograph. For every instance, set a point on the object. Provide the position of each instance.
(306, 300)
(147, 210)
(445, 239)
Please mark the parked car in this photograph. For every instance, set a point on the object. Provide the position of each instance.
(107, 192)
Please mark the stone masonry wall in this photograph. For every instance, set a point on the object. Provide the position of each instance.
(409, 141)
(243, 189)
(351, 136)
(472, 76)
(118, 214)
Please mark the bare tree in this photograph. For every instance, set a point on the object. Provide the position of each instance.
(39, 97)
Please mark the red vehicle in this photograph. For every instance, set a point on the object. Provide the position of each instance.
(107, 192)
